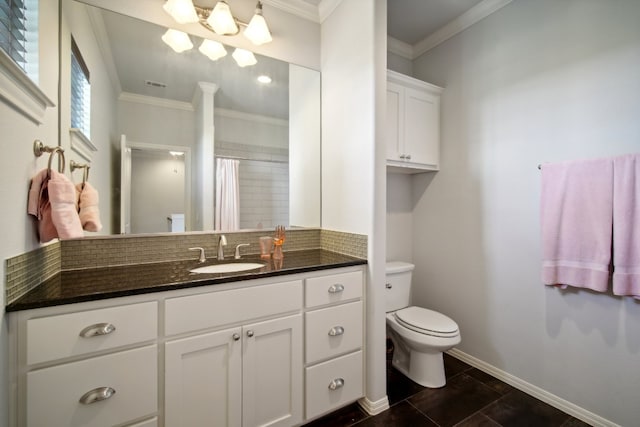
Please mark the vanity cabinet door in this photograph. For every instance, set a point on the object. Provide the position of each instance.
(272, 373)
(203, 380)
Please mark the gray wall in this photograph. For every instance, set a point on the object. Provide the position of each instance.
(538, 81)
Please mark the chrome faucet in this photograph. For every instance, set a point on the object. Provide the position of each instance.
(222, 242)
(237, 254)
(202, 257)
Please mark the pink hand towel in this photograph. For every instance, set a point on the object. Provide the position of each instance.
(626, 225)
(88, 207)
(62, 196)
(40, 207)
(576, 222)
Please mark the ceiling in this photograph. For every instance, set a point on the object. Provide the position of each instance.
(412, 21)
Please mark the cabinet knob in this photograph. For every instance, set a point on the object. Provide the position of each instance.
(402, 156)
(335, 331)
(336, 384)
(97, 395)
(388, 286)
(249, 333)
(97, 329)
(408, 157)
(337, 288)
(236, 337)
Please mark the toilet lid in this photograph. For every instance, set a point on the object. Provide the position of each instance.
(427, 322)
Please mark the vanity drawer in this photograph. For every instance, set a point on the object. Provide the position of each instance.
(215, 309)
(333, 330)
(333, 288)
(333, 384)
(55, 337)
(54, 394)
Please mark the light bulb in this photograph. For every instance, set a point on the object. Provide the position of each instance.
(181, 10)
(177, 40)
(212, 49)
(221, 19)
(244, 57)
(257, 31)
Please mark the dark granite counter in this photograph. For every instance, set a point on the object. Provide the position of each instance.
(75, 286)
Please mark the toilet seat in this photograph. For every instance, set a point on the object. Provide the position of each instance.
(427, 322)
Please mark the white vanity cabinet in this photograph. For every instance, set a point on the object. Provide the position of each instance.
(94, 367)
(413, 124)
(334, 323)
(276, 351)
(247, 375)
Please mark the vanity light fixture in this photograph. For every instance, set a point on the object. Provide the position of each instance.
(220, 20)
(244, 57)
(177, 40)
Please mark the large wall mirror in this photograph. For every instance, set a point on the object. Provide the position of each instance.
(186, 143)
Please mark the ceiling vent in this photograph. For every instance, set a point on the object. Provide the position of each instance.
(154, 84)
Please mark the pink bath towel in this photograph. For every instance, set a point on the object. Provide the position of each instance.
(88, 207)
(576, 222)
(62, 196)
(626, 225)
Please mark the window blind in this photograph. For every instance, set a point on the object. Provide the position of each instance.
(80, 92)
(19, 33)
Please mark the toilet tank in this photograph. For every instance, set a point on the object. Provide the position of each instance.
(398, 285)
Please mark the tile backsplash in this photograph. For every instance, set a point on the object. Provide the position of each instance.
(26, 271)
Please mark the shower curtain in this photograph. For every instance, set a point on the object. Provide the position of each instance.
(227, 215)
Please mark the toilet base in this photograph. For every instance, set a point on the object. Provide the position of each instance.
(426, 369)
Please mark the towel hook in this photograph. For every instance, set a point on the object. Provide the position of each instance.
(85, 173)
(39, 148)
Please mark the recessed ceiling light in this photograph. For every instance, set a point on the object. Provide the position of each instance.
(176, 153)
(264, 79)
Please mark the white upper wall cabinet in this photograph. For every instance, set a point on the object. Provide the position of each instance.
(413, 124)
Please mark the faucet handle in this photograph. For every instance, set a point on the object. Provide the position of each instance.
(237, 255)
(202, 257)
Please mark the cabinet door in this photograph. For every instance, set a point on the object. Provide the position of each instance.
(272, 373)
(395, 118)
(203, 380)
(421, 127)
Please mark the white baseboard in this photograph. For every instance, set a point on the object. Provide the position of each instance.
(540, 394)
(374, 408)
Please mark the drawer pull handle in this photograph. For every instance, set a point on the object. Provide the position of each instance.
(236, 337)
(336, 384)
(335, 331)
(97, 329)
(97, 395)
(337, 288)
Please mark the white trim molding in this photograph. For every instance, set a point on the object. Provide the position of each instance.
(326, 8)
(456, 26)
(296, 7)
(374, 408)
(400, 48)
(459, 24)
(20, 92)
(154, 101)
(81, 144)
(535, 391)
(233, 114)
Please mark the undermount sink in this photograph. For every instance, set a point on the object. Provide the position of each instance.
(232, 267)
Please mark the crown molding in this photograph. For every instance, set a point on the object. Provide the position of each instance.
(459, 24)
(154, 101)
(299, 8)
(400, 48)
(326, 8)
(240, 115)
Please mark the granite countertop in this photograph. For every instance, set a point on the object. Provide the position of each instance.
(73, 286)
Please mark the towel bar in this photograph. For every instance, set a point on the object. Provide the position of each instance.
(39, 148)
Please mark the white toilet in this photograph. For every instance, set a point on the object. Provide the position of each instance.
(419, 335)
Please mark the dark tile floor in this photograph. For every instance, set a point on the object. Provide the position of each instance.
(471, 398)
